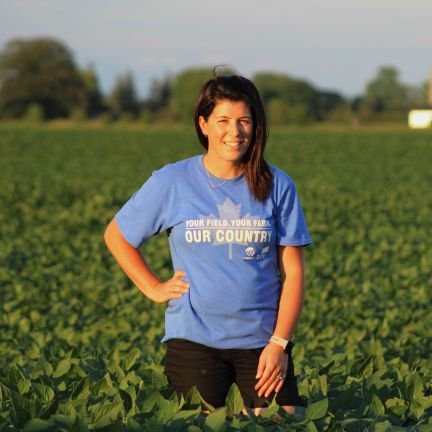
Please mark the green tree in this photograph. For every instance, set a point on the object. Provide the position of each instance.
(185, 88)
(39, 71)
(287, 100)
(160, 94)
(385, 92)
(184, 92)
(93, 96)
(330, 103)
(417, 95)
(123, 101)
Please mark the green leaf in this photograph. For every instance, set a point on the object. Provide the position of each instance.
(417, 409)
(376, 407)
(43, 392)
(317, 410)
(365, 368)
(181, 418)
(95, 368)
(167, 410)
(215, 421)
(271, 410)
(24, 387)
(383, 426)
(20, 411)
(133, 426)
(129, 397)
(234, 400)
(15, 376)
(193, 399)
(147, 405)
(79, 425)
(105, 414)
(62, 368)
(114, 426)
(103, 386)
(396, 406)
(326, 369)
(39, 425)
(62, 421)
(44, 365)
(131, 358)
(323, 384)
(415, 387)
(356, 425)
(82, 391)
(310, 427)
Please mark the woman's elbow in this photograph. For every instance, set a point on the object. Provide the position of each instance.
(110, 234)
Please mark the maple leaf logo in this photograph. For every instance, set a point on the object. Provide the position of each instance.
(228, 211)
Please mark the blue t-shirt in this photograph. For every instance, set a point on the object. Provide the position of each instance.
(226, 242)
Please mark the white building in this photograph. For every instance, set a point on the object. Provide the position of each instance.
(420, 119)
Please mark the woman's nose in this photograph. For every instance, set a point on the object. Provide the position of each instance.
(235, 129)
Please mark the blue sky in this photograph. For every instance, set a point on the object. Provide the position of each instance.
(334, 44)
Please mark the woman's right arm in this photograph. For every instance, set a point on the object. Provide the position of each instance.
(136, 268)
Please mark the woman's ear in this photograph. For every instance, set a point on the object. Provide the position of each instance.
(203, 125)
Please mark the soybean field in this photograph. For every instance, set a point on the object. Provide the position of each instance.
(80, 345)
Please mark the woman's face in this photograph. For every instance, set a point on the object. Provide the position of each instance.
(229, 130)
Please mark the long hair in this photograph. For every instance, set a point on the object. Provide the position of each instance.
(237, 88)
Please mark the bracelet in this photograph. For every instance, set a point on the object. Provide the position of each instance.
(287, 345)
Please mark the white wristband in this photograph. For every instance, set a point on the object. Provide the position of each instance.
(279, 341)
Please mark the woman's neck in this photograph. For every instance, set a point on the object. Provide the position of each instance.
(223, 170)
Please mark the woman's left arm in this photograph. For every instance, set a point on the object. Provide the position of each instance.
(273, 360)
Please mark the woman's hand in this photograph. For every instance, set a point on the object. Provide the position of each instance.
(135, 266)
(272, 369)
(171, 289)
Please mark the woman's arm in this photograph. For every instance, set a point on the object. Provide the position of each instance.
(136, 268)
(274, 360)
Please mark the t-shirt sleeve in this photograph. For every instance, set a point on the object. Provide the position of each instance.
(291, 224)
(146, 213)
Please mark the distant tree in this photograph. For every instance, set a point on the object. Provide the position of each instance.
(184, 92)
(160, 94)
(93, 97)
(329, 102)
(123, 100)
(185, 88)
(287, 100)
(39, 71)
(385, 92)
(417, 95)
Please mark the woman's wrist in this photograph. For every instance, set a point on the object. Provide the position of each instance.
(285, 344)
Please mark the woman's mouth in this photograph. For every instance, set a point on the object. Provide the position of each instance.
(232, 144)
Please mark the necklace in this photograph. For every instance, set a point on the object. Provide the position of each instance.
(212, 183)
(215, 185)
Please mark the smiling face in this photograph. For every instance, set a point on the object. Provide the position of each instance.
(229, 129)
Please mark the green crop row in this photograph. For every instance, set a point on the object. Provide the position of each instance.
(80, 346)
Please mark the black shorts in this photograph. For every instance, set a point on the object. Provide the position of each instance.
(213, 371)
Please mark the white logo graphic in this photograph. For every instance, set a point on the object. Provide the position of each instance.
(252, 255)
(250, 251)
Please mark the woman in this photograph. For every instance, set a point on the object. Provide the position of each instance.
(236, 234)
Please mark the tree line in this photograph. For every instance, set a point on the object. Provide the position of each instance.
(39, 80)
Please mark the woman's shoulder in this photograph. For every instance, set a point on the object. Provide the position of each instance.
(173, 170)
(280, 177)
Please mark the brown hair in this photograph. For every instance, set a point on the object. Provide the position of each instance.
(237, 88)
